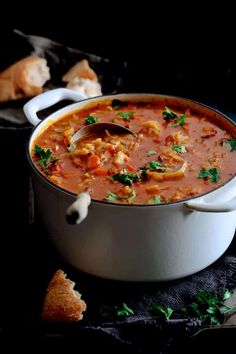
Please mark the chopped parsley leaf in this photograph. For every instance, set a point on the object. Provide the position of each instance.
(156, 199)
(126, 115)
(232, 143)
(156, 166)
(143, 171)
(180, 121)
(111, 312)
(209, 307)
(179, 148)
(157, 310)
(46, 158)
(91, 120)
(111, 196)
(126, 178)
(124, 310)
(213, 174)
(151, 152)
(168, 114)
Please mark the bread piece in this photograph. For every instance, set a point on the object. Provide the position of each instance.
(24, 79)
(80, 70)
(62, 303)
(86, 87)
(7, 90)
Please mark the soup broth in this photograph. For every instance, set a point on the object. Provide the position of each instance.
(174, 154)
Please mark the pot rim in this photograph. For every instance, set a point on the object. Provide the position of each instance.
(73, 105)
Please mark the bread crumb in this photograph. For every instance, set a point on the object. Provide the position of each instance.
(62, 303)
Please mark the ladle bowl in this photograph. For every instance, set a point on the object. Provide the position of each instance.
(99, 128)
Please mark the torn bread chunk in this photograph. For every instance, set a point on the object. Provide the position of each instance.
(83, 79)
(24, 79)
(86, 87)
(62, 303)
(80, 70)
(7, 90)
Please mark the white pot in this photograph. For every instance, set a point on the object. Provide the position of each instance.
(126, 242)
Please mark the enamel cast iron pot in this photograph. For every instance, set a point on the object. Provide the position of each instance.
(128, 242)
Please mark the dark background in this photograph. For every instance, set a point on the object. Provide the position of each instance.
(181, 51)
(188, 54)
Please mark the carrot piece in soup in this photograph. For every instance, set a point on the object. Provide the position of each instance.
(93, 162)
(100, 172)
(130, 167)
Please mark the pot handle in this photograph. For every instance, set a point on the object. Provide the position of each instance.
(212, 207)
(78, 210)
(48, 99)
(219, 201)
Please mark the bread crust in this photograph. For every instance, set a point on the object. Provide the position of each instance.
(62, 303)
(80, 70)
(7, 90)
(15, 82)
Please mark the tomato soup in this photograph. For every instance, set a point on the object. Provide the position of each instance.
(174, 154)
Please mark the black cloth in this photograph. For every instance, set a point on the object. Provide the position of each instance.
(141, 332)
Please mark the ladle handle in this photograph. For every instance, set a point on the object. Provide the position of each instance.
(78, 210)
(48, 99)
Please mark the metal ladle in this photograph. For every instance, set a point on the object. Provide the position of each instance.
(98, 128)
(78, 211)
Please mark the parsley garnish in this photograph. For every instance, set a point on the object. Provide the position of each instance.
(168, 114)
(157, 310)
(156, 199)
(117, 104)
(179, 121)
(225, 294)
(126, 115)
(232, 143)
(91, 120)
(46, 158)
(156, 166)
(143, 171)
(151, 152)
(209, 307)
(124, 311)
(179, 148)
(116, 311)
(126, 178)
(111, 196)
(213, 174)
